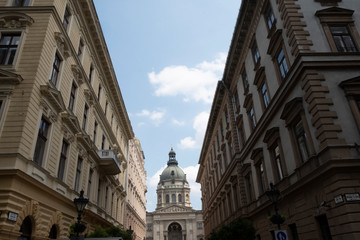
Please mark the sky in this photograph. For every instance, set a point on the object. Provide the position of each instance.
(168, 56)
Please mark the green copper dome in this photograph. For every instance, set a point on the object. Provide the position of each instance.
(173, 171)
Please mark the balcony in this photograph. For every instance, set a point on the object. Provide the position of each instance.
(109, 163)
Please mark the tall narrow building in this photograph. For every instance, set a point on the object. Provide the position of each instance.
(63, 122)
(174, 218)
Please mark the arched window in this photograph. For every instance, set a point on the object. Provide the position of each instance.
(173, 198)
(159, 199)
(167, 198)
(180, 198)
(26, 229)
(53, 232)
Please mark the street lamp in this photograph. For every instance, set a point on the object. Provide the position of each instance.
(273, 195)
(80, 204)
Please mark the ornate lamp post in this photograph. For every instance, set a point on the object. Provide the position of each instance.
(80, 204)
(273, 195)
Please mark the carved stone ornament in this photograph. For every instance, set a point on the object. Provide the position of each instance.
(77, 74)
(89, 97)
(15, 20)
(48, 111)
(68, 135)
(62, 44)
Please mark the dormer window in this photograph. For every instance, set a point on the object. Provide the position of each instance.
(172, 173)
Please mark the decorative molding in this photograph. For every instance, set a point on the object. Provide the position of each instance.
(77, 73)
(62, 44)
(15, 20)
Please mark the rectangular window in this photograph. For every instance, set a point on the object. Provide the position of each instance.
(277, 161)
(85, 117)
(342, 38)
(78, 174)
(236, 102)
(112, 120)
(245, 81)
(103, 142)
(95, 131)
(106, 107)
(80, 49)
(41, 141)
(236, 199)
(21, 3)
(98, 192)
(72, 96)
(301, 140)
(66, 20)
(249, 187)
(99, 92)
(106, 196)
(62, 162)
(269, 16)
(55, 70)
(91, 72)
(89, 182)
(252, 118)
(8, 45)
(255, 53)
(265, 95)
(281, 61)
(293, 231)
(261, 174)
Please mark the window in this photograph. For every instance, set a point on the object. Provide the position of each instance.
(173, 198)
(281, 61)
(251, 114)
(106, 196)
(91, 73)
(300, 136)
(95, 131)
(66, 20)
(180, 198)
(72, 96)
(245, 81)
(342, 38)
(249, 188)
(236, 101)
(199, 225)
(255, 53)
(41, 141)
(103, 140)
(78, 174)
(99, 192)
(277, 161)
(167, 198)
(265, 95)
(8, 45)
(85, 117)
(272, 138)
(293, 231)
(339, 29)
(106, 107)
(80, 49)
(55, 70)
(62, 162)
(261, 176)
(99, 92)
(21, 3)
(112, 120)
(89, 182)
(351, 89)
(269, 17)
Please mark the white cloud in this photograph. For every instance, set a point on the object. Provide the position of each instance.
(177, 122)
(191, 173)
(154, 180)
(197, 83)
(155, 116)
(199, 125)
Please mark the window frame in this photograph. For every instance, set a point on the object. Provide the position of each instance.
(255, 53)
(338, 16)
(80, 49)
(78, 171)
(44, 138)
(56, 69)
(23, 3)
(67, 18)
(72, 98)
(85, 117)
(62, 160)
(9, 46)
(267, 17)
(260, 81)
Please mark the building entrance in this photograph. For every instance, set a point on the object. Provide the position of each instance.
(174, 231)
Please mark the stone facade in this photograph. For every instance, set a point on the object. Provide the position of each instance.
(287, 112)
(174, 218)
(63, 123)
(135, 209)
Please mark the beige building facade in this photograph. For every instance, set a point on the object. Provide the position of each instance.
(287, 112)
(63, 123)
(174, 218)
(135, 208)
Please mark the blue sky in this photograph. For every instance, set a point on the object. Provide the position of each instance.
(168, 56)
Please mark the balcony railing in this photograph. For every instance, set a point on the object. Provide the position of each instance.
(109, 162)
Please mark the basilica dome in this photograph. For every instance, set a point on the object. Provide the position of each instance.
(172, 171)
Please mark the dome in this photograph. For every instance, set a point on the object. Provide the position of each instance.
(173, 171)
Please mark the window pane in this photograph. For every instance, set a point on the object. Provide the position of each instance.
(342, 39)
(8, 46)
(301, 141)
(41, 142)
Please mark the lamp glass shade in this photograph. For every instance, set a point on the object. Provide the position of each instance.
(81, 202)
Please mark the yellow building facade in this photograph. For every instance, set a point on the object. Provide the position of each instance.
(63, 122)
(287, 113)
